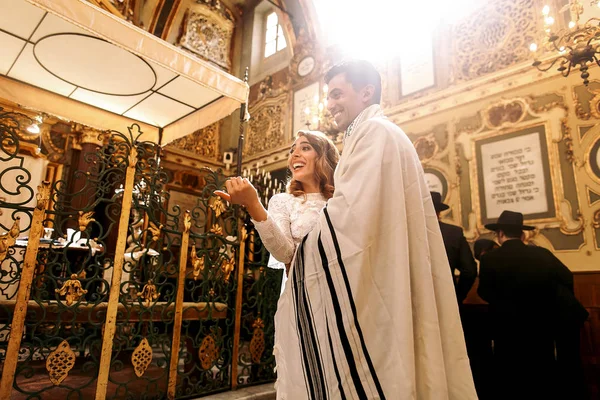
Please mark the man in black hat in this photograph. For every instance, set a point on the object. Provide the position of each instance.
(532, 301)
(458, 251)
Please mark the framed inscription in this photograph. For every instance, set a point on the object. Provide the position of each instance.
(303, 99)
(417, 67)
(513, 173)
(436, 181)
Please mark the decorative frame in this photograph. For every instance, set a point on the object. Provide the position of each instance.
(419, 67)
(436, 174)
(592, 160)
(508, 173)
(208, 34)
(303, 98)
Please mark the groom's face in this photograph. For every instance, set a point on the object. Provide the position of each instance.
(344, 102)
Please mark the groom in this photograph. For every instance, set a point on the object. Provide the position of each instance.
(369, 310)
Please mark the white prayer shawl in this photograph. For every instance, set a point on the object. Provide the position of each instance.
(369, 310)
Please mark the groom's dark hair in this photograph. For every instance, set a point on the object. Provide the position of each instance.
(359, 73)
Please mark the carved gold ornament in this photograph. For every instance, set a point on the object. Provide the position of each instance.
(216, 229)
(72, 289)
(208, 352)
(244, 233)
(43, 195)
(266, 129)
(85, 219)
(148, 293)
(203, 142)
(187, 221)
(218, 206)
(493, 38)
(60, 362)
(8, 239)
(141, 357)
(133, 157)
(155, 231)
(197, 263)
(227, 266)
(208, 34)
(257, 344)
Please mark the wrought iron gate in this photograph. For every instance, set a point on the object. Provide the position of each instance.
(102, 278)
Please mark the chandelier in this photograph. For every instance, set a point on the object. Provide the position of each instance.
(573, 46)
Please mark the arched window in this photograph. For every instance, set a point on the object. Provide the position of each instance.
(274, 38)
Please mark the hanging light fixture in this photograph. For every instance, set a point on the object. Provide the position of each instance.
(577, 45)
(34, 128)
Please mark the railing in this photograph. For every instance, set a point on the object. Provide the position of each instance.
(103, 277)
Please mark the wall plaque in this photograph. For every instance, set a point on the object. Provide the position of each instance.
(514, 174)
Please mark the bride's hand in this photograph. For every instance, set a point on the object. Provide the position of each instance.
(239, 191)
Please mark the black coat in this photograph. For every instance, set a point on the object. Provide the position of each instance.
(460, 257)
(532, 307)
(526, 285)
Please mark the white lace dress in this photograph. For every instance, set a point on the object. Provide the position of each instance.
(289, 219)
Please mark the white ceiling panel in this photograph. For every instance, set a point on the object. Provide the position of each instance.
(52, 25)
(189, 92)
(158, 110)
(10, 47)
(116, 104)
(19, 17)
(163, 75)
(95, 64)
(28, 70)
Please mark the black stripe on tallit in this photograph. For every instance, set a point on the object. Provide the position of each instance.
(353, 307)
(308, 342)
(336, 306)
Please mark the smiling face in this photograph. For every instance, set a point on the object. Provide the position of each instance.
(344, 102)
(301, 161)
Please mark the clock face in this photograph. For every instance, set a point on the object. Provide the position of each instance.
(306, 66)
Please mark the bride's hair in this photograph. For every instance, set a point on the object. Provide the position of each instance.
(325, 163)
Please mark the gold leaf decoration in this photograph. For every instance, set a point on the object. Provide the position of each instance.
(216, 229)
(72, 289)
(187, 221)
(148, 293)
(43, 195)
(227, 266)
(8, 239)
(85, 219)
(218, 207)
(141, 357)
(208, 352)
(60, 362)
(257, 344)
(197, 263)
(155, 231)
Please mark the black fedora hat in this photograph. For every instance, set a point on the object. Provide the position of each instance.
(509, 219)
(437, 202)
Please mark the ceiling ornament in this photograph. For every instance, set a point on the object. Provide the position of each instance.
(493, 38)
(208, 33)
(575, 45)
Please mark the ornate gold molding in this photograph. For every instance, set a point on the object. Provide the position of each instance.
(204, 142)
(197, 263)
(208, 33)
(266, 128)
(494, 37)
